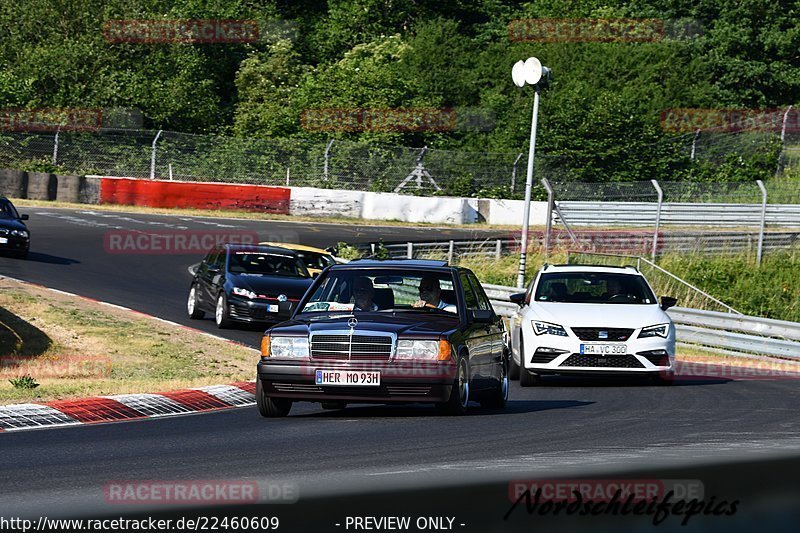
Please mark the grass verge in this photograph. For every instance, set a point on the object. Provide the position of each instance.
(73, 348)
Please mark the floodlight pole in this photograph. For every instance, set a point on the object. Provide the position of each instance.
(528, 185)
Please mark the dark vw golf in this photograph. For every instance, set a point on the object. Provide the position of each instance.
(386, 332)
(14, 236)
(244, 283)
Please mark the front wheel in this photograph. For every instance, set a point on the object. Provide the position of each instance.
(527, 379)
(221, 312)
(459, 395)
(271, 407)
(513, 367)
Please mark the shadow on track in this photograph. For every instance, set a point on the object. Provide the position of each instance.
(514, 407)
(38, 257)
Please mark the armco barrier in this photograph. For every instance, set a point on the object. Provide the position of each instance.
(199, 195)
(731, 334)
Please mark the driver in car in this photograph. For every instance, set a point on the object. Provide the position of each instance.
(430, 295)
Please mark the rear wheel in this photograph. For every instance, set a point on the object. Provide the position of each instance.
(271, 407)
(191, 304)
(459, 395)
(221, 312)
(499, 396)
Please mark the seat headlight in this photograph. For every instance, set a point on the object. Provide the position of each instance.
(411, 349)
(288, 347)
(238, 291)
(546, 328)
(659, 330)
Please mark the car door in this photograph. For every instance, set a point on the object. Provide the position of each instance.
(206, 274)
(494, 330)
(477, 337)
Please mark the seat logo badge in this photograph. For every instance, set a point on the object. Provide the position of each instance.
(352, 323)
(602, 335)
(282, 298)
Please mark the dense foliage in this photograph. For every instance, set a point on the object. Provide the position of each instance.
(600, 115)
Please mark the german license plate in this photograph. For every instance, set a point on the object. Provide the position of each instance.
(3, 240)
(348, 378)
(604, 349)
(272, 308)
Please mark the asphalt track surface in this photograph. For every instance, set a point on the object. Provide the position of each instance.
(374, 457)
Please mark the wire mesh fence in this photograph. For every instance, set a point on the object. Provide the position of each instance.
(352, 165)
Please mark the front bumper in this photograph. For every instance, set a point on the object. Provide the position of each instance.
(13, 244)
(551, 354)
(245, 310)
(401, 381)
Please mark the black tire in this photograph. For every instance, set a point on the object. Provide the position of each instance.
(191, 304)
(222, 312)
(498, 398)
(456, 405)
(528, 379)
(664, 379)
(271, 407)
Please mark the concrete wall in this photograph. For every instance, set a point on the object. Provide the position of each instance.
(310, 201)
(13, 183)
(510, 212)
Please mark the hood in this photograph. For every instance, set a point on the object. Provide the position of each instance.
(411, 324)
(599, 315)
(10, 223)
(293, 288)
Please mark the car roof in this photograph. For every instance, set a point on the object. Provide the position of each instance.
(609, 269)
(424, 264)
(296, 247)
(261, 249)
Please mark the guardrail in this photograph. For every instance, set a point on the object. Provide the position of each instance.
(724, 332)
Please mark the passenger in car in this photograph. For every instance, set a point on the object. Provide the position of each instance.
(363, 292)
(430, 295)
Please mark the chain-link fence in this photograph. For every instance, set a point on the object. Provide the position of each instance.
(357, 166)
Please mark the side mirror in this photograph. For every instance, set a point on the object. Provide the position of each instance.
(667, 302)
(212, 269)
(518, 298)
(284, 310)
(24, 217)
(480, 316)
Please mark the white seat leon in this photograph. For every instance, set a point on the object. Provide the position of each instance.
(591, 320)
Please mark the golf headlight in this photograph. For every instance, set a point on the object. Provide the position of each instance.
(289, 347)
(19, 233)
(238, 291)
(659, 330)
(408, 349)
(546, 328)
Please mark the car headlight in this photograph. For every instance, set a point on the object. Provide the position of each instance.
(288, 347)
(19, 233)
(424, 350)
(546, 328)
(659, 330)
(238, 291)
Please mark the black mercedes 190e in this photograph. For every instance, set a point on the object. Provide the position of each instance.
(386, 332)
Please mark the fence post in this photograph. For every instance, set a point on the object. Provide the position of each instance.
(658, 217)
(450, 253)
(153, 157)
(170, 172)
(327, 158)
(497, 250)
(514, 172)
(55, 147)
(694, 144)
(763, 219)
(410, 251)
(779, 170)
(549, 221)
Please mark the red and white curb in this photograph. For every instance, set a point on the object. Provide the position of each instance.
(123, 407)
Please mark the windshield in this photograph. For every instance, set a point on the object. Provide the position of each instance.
(7, 210)
(315, 260)
(383, 290)
(249, 262)
(593, 287)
